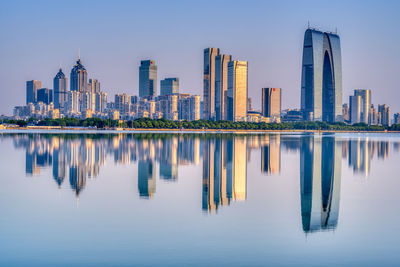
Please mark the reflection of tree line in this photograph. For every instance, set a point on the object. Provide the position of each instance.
(225, 160)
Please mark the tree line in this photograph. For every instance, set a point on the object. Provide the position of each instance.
(146, 123)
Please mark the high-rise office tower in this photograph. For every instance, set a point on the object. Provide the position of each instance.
(60, 90)
(147, 78)
(94, 86)
(169, 86)
(321, 80)
(31, 91)
(396, 118)
(237, 91)
(195, 107)
(73, 103)
(365, 103)
(221, 86)
(78, 81)
(100, 102)
(346, 112)
(45, 95)
(209, 83)
(373, 116)
(271, 103)
(355, 108)
(384, 114)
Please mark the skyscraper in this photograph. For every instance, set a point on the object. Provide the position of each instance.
(384, 114)
(45, 95)
(147, 78)
(94, 86)
(209, 83)
(321, 80)
(79, 81)
(237, 91)
(221, 86)
(31, 91)
(355, 108)
(271, 103)
(169, 86)
(365, 103)
(60, 90)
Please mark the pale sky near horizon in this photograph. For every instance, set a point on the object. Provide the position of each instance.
(113, 36)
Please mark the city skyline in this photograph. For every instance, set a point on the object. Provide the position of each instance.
(267, 69)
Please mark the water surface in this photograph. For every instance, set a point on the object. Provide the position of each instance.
(205, 199)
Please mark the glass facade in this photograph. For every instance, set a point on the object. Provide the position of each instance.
(321, 81)
(31, 91)
(60, 90)
(271, 102)
(209, 83)
(147, 78)
(169, 86)
(79, 81)
(237, 90)
(221, 86)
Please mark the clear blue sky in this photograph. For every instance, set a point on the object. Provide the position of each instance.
(113, 36)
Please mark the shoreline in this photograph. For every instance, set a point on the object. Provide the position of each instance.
(46, 129)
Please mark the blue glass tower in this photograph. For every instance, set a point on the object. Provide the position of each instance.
(321, 80)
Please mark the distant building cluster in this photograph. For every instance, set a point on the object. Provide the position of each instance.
(361, 110)
(225, 93)
(86, 100)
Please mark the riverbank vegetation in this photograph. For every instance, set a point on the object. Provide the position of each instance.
(146, 123)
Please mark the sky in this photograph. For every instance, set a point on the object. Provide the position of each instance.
(36, 37)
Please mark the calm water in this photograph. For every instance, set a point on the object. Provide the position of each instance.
(166, 199)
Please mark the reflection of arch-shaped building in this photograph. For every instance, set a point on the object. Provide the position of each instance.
(320, 175)
(321, 81)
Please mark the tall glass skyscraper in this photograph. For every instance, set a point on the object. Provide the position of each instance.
(169, 86)
(147, 78)
(79, 79)
(60, 90)
(31, 90)
(221, 86)
(321, 80)
(365, 103)
(271, 103)
(237, 90)
(209, 83)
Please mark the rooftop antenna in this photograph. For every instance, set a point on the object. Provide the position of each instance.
(336, 30)
(308, 24)
(79, 53)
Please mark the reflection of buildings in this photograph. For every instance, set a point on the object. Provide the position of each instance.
(320, 175)
(359, 156)
(361, 151)
(224, 171)
(169, 160)
(146, 178)
(271, 155)
(225, 158)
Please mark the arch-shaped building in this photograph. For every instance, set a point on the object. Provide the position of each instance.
(321, 80)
